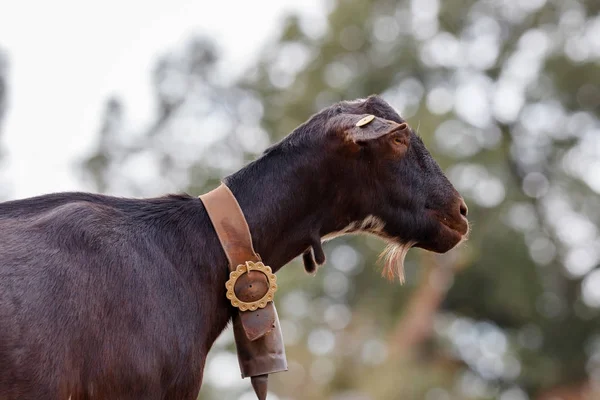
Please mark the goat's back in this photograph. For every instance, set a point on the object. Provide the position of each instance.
(88, 297)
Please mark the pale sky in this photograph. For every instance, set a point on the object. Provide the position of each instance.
(66, 57)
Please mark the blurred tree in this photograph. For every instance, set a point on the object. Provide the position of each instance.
(506, 95)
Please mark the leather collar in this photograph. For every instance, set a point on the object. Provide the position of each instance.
(234, 234)
(257, 333)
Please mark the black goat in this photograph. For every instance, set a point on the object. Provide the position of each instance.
(113, 298)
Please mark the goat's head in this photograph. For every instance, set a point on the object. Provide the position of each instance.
(383, 180)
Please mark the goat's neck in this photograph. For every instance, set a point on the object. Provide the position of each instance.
(285, 208)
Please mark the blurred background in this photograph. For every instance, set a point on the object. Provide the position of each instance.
(147, 98)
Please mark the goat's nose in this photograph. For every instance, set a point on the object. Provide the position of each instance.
(463, 208)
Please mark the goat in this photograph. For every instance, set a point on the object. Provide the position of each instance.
(106, 297)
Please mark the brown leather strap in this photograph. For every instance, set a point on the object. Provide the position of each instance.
(230, 224)
(234, 234)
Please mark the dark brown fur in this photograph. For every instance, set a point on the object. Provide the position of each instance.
(104, 297)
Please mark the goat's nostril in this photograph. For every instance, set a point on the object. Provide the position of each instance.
(463, 209)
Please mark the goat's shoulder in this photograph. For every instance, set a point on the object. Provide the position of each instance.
(78, 203)
(35, 206)
(79, 213)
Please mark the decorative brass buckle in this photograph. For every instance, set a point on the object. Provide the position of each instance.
(245, 268)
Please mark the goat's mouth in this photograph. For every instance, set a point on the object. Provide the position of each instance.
(446, 234)
(460, 226)
(449, 232)
(446, 238)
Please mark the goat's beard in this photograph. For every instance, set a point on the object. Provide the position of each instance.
(393, 256)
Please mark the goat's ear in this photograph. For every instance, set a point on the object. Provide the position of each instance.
(360, 129)
(374, 104)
